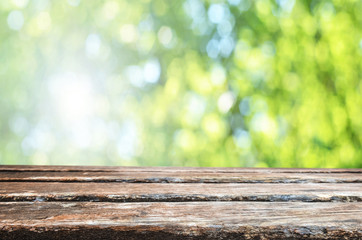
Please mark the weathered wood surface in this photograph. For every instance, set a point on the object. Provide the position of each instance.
(180, 177)
(48, 168)
(155, 192)
(211, 220)
(74, 202)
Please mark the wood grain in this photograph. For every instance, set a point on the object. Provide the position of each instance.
(172, 176)
(196, 220)
(52, 168)
(82, 202)
(156, 192)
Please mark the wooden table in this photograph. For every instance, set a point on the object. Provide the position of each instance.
(63, 202)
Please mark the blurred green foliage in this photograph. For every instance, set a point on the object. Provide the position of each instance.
(190, 83)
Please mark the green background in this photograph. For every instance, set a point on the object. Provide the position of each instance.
(186, 83)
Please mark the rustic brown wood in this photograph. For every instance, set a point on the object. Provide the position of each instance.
(197, 220)
(47, 168)
(155, 192)
(181, 177)
(81, 202)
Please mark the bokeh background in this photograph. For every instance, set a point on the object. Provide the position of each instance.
(242, 83)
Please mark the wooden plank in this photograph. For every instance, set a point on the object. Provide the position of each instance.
(181, 177)
(66, 202)
(196, 220)
(148, 192)
(42, 168)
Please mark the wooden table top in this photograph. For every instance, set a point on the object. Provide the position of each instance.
(79, 202)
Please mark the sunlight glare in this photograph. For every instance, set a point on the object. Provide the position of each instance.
(73, 95)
